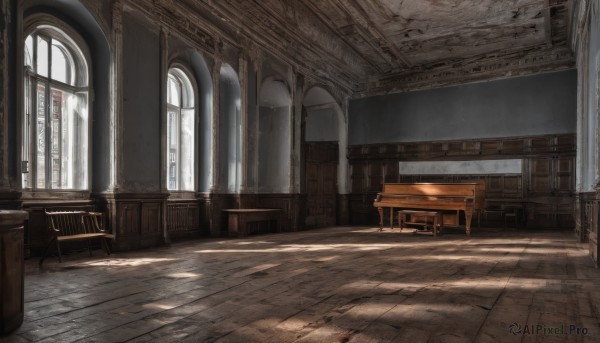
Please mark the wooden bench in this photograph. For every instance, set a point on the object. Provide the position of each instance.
(426, 219)
(68, 226)
(238, 219)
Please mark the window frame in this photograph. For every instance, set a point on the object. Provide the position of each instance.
(52, 28)
(176, 71)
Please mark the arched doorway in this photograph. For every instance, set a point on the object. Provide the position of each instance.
(324, 162)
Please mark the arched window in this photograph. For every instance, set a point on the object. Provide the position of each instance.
(180, 131)
(55, 126)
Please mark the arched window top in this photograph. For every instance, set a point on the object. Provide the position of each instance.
(275, 94)
(51, 53)
(180, 92)
(181, 119)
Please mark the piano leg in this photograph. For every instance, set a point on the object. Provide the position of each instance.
(380, 210)
(468, 217)
(392, 218)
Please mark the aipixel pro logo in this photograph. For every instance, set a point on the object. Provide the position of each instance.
(545, 330)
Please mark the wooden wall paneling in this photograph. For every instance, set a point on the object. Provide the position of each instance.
(584, 207)
(541, 144)
(329, 195)
(472, 148)
(129, 219)
(489, 147)
(438, 149)
(358, 177)
(151, 218)
(389, 150)
(540, 177)
(512, 146)
(362, 211)
(406, 178)
(593, 212)
(494, 186)
(343, 208)
(455, 149)
(204, 213)
(564, 174)
(512, 186)
(564, 216)
(565, 143)
(391, 171)
(543, 215)
(288, 203)
(375, 176)
(579, 216)
(409, 149)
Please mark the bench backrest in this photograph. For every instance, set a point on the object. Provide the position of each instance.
(68, 223)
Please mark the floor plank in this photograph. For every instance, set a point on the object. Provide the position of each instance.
(342, 284)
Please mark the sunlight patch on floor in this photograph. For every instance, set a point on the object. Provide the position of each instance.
(128, 262)
(183, 275)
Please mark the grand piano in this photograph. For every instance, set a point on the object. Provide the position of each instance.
(465, 197)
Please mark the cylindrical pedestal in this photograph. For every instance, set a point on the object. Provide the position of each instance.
(11, 270)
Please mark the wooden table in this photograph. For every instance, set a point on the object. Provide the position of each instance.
(238, 219)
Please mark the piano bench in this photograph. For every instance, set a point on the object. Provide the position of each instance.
(426, 219)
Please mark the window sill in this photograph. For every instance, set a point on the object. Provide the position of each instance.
(50, 195)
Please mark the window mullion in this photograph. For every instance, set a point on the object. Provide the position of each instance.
(179, 150)
(179, 124)
(48, 129)
(32, 122)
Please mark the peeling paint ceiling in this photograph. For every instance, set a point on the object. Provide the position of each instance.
(378, 46)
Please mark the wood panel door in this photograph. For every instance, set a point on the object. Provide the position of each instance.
(321, 184)
(552, 184)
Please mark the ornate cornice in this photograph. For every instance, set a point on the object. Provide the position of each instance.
(482, 68)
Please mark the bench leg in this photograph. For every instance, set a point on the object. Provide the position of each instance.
(46, 250)
(89, 245)
(105, 246)
(58, 250)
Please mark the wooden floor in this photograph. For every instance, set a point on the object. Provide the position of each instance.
(331, 285)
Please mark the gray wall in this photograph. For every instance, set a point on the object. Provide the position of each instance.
(523, 106)
(274, 150)
(141, 106)
(229, 131)
(321, 125)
